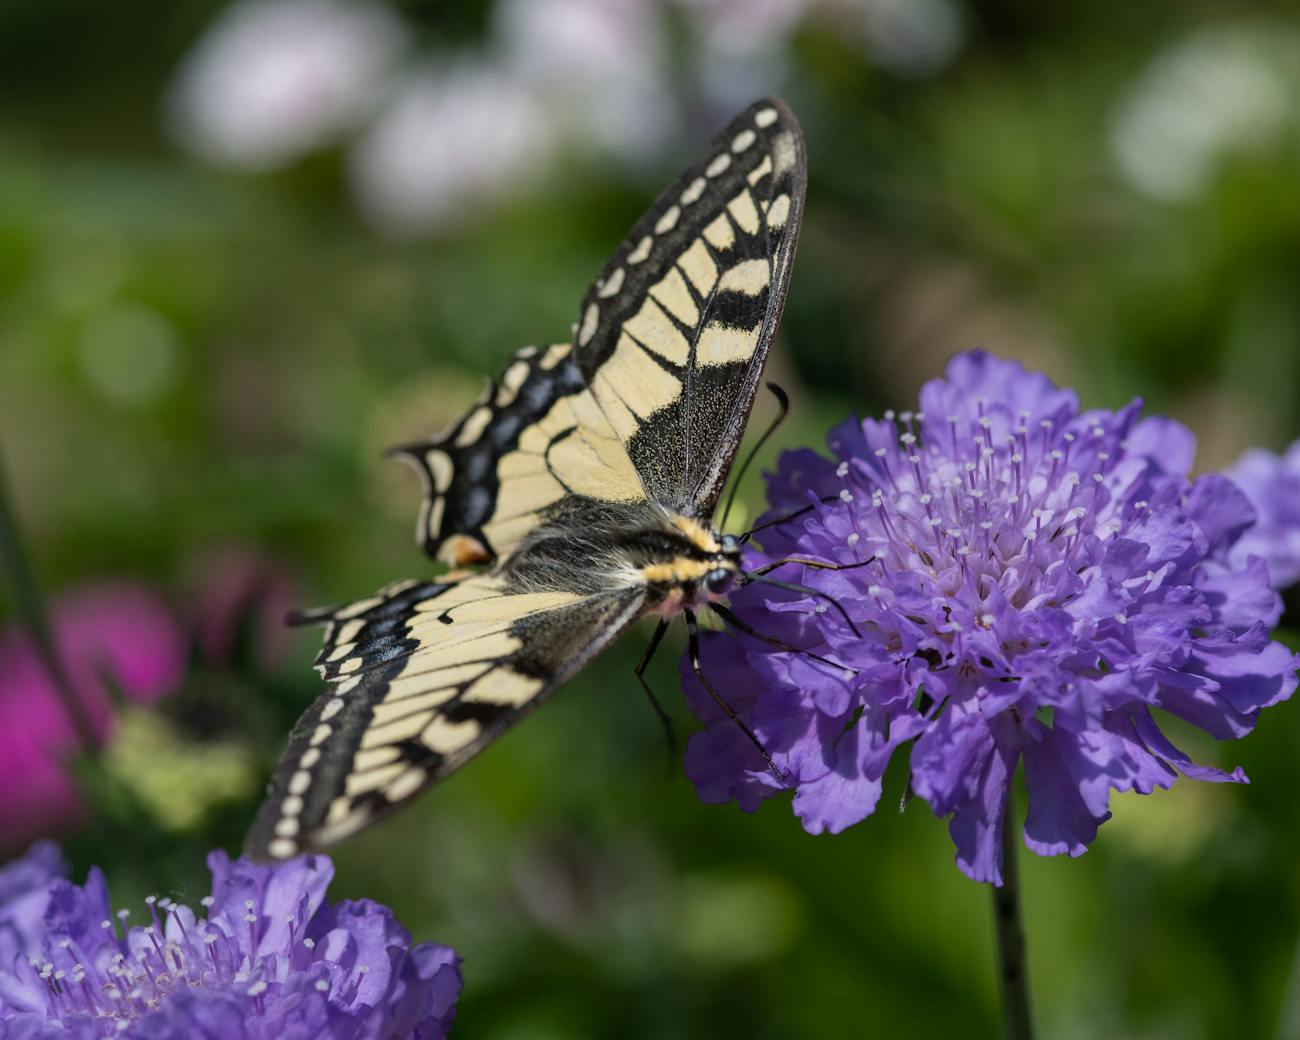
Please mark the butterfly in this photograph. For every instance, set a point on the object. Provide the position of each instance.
(574, 498)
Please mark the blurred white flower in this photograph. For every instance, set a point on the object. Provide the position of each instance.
(452, 138)
(911, 38)
(745, 43)
(1225, 90)
(272, 79)
(743, 46)
(599, 65)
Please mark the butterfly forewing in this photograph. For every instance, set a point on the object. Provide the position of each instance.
(667, 355)
(673, 335)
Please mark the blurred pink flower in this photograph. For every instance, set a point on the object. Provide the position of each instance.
(241, 589)
(119, 632)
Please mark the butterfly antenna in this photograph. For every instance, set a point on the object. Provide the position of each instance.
(783, 404)
(777, 521)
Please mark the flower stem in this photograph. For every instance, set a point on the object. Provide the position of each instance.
(1013, 969)
(30, 607)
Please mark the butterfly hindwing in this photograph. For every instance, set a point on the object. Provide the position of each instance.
(422, 677)
(673, 335)
(536, 443)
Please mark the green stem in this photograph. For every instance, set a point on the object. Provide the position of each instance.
(1013, 969)
(30, 607)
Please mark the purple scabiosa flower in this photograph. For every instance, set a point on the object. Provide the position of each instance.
(269, 960)
(1272, 483)
(1043, 581)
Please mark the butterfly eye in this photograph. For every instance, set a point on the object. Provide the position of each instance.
(719, 581)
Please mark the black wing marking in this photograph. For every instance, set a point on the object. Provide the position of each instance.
(673, 336)
(421, 678)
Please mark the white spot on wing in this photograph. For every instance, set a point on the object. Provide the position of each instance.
(764, 117)
(718, 165)
(743, 140)
(439, 463)
(612, 284)
(641, 251)
(694, 191)
(515, 377)
(332, 707)
(432, 522)
(669, 220)
(589, 321)
(474, 426)
(282, 848)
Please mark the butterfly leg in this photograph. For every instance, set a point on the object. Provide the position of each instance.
(639, 672)
(735, 621)
(693, 633)
(778, 521)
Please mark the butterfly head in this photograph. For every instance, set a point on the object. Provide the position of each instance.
(688, 564)
(719, 580)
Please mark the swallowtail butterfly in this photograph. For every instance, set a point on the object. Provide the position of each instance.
(575, 497)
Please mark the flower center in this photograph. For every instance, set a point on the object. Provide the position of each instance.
(119, 980)
(988, 502)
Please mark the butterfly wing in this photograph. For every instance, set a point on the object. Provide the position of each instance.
(673, 336)
(652, 398)
(421, 678)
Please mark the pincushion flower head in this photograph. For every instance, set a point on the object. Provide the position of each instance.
(1043, 584)
(269, 959)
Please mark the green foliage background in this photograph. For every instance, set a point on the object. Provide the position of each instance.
(590, 895)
